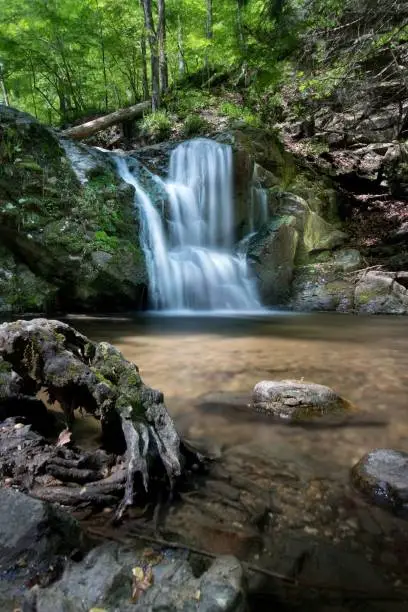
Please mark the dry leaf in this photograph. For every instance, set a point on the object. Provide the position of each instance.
(142, 580)
(64, 437)
(152, 556)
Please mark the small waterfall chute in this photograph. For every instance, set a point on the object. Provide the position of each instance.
(189, 251)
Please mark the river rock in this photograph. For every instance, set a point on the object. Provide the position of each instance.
(104, 580)
(293, 400)
(34, 538)
(379, 292)
(382, 476)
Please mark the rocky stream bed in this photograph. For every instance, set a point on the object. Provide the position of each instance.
(244, 528)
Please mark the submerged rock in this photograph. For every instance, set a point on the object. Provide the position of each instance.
(292, 400)
(382, 476)
(107, 579)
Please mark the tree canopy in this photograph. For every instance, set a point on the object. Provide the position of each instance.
(64, 59)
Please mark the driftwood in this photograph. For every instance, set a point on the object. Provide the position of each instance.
(52, 356)
(96, 125)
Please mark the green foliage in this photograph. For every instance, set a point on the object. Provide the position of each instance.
(194, 125)
(155, 126)
(235, 112)
(105, 242)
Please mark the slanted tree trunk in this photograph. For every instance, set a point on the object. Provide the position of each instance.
(164, 76)
(92, 127)
(154, 53)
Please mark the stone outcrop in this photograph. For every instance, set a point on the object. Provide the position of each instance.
(68, 228)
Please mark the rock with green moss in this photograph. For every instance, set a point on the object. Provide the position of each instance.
(60, 203)
(319, 235)
(379, 292)
(20, 289)
(326, 284)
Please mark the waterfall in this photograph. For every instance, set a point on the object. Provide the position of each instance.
(258, 214)
(189, 248)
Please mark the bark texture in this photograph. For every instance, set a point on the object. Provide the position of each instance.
(44, 354)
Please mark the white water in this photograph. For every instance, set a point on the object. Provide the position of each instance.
(189, 253)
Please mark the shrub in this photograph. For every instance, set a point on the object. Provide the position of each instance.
(194, 125)
(235, 112)
(156, 126)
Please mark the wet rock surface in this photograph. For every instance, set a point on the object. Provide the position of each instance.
(293, 400)
(108, 578)
(382, 476)
(35, 539)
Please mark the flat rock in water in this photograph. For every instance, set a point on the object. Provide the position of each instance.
(115, 579)
(382, 476)
(293, 400)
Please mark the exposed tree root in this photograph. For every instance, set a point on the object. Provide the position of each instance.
(78, 373)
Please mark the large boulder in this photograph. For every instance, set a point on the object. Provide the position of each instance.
(382, 477)
(68, 226)
(319, 235)
(326, 284)
(293, 400)
(379, 292)
(35, 538)
(271, 253)
(113, 579)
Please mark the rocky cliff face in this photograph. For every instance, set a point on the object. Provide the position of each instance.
(68, 229)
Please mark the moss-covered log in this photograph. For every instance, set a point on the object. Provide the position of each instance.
(97, 378)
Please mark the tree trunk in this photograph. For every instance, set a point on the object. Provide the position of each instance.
(209, 32)
(103, 57)
(154, 53)
(181, 60)
(92, 127)
(4, 91)
(145, 80)
(164, 75)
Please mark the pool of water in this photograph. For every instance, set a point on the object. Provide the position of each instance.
(365, 359)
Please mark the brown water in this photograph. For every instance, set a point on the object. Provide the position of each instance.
(302, 470)
(365, 359)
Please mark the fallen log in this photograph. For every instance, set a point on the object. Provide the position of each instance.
(95, 377)
(96, 125)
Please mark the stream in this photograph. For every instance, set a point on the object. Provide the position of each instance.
(317, 529)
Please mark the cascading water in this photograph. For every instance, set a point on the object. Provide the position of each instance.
(189, 249)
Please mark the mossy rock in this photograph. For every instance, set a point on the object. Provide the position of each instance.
(59, 203)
